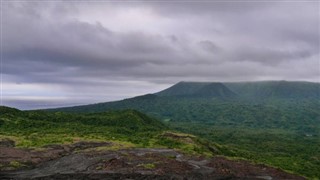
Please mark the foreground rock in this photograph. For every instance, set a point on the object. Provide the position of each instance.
(94, 161)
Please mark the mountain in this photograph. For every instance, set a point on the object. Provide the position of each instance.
(198, 90)
(182, 89)
(278, 104)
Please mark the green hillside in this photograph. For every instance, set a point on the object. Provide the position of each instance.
(37, 128)
(124, 129)
(275, 109)
(214, 103)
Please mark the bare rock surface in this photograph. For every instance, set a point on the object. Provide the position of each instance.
(84, 161)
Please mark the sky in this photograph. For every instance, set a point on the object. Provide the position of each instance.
(65, 53)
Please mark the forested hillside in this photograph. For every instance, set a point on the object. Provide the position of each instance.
(214, 103)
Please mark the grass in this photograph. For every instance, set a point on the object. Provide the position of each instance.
(148, 166)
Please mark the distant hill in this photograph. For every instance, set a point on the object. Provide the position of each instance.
(201, 101)
(8, 110)
(280, 104)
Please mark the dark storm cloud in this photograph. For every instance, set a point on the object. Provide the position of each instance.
(82, 43)
(181, 7)
(105, 50)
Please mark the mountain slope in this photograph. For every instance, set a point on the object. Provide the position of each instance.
(182, 88)
(9, 110)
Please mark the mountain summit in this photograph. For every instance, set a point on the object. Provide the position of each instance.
(198, 90)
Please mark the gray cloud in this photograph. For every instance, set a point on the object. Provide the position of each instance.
(89, 52)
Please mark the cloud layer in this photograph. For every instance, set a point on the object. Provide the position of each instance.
(64, 53)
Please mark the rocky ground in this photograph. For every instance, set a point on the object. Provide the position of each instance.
(92, 160)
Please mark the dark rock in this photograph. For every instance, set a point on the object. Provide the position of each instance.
(139, 163)
(7, 143)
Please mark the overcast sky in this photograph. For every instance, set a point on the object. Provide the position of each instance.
(61, 53)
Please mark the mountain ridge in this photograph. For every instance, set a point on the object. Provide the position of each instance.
(255, 91)
(198, 89)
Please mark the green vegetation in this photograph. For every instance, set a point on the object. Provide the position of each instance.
(15, 164)
(302, 116)
(188, 143)
(287, 150)
(125, 129)
(148, 165)
(38, 128)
